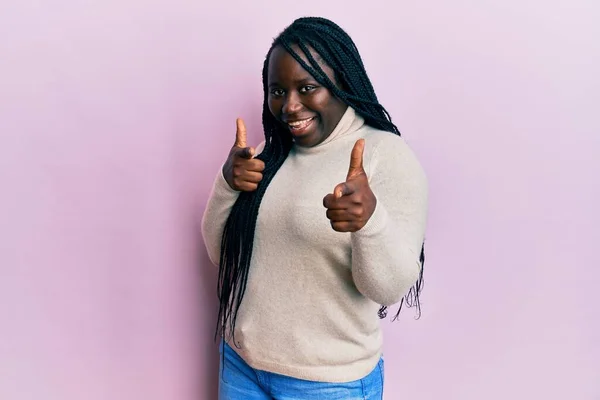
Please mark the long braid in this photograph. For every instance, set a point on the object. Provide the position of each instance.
(238, 234)
(355, 89)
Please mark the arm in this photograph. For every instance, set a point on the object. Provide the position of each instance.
(385, 252)
(221, 200)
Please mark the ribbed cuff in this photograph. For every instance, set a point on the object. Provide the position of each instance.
(221, 185)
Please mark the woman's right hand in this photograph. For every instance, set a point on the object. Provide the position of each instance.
(241, 170)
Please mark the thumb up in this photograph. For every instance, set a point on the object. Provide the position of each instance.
(352, 202)
(241, 170)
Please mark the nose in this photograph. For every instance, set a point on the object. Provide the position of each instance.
(291, 104)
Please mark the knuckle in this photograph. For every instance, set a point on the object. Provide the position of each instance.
(238, 171)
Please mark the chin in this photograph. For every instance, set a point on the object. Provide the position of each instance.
(301, 141)
(309, 140)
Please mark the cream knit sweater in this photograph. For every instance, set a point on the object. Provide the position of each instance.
(310, 307)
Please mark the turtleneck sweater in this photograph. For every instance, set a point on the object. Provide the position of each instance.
(312, 296)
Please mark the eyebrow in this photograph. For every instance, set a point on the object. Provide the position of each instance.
(297, 82)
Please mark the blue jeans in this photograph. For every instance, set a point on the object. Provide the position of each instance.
(239, 381)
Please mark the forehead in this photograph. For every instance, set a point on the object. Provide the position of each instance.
(284, 67)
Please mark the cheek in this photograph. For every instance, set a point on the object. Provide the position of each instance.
(327, 102)
(320, 104)
(338, 107)
(330, 110)
(274, 107)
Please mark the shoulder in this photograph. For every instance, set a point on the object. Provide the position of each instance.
(388, 150)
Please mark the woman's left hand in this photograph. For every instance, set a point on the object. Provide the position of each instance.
(352, 203)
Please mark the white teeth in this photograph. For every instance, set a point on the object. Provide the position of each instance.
(300, 124)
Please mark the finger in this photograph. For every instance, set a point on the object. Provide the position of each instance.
(349, 213)
(246, 152)
(254, 165)
(240, 133)
(344, 226)
(252, 177)
(356, 159)
(338, 215)
(241, 174)
(343, 189)
(329, 201)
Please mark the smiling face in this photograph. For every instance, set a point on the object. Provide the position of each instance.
(305, 107)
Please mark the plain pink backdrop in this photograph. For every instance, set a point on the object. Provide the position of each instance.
(115, 116)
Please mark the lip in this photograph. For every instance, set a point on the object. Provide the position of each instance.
(287, 121)
(304, 128)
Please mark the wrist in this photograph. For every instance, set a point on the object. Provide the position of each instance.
(226, 173)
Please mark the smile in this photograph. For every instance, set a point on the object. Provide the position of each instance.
(300, 125)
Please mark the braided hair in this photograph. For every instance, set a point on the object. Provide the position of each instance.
(337, 50)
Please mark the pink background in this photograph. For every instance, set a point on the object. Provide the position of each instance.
(115, 116)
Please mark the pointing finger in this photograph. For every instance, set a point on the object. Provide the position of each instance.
(343, 189)
(356, 159)
(247, 152)
(240, 133)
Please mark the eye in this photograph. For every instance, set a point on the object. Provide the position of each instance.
(307, 88)
(277, 92)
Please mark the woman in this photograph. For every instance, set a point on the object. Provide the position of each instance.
(315, 229)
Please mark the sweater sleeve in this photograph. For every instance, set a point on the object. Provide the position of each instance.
(220, 202)
(386, 251)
